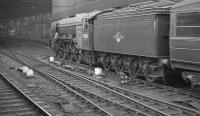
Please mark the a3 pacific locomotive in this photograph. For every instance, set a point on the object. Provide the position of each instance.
(150, 39)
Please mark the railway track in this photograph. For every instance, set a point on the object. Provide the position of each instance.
(167, 93)
(15, 101)
(74, 97)
(104, 105)
(113, 100)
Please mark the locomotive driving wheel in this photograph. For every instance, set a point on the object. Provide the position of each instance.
(56, 47)
(65, 53)
(78, 57)
(126, 65)
(133, 67)
(75, 53)
(87, 58)
(117, 64)
(66, 48)
(106, 63)
(71, 52)
(60, 52)
(71, 56)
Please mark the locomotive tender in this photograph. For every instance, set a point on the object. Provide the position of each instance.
(132, 39)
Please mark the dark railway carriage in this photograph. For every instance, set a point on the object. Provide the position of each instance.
(185, 39)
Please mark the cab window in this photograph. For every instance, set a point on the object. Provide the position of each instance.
(188, 24)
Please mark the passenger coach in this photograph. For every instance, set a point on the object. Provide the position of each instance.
(185, 39)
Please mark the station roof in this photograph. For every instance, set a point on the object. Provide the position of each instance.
(186, 2)
(186, 5)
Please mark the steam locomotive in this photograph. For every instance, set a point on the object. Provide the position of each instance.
(153, 39)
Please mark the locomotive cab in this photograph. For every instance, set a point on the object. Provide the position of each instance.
(86, 35)
(185, 40)
(88, 29)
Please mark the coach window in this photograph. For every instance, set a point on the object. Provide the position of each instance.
(85, 24)
(188, 24)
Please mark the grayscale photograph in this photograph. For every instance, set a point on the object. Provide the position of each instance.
(99, 57)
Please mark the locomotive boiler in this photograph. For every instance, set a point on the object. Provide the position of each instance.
(134, 40)
(75, 37)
